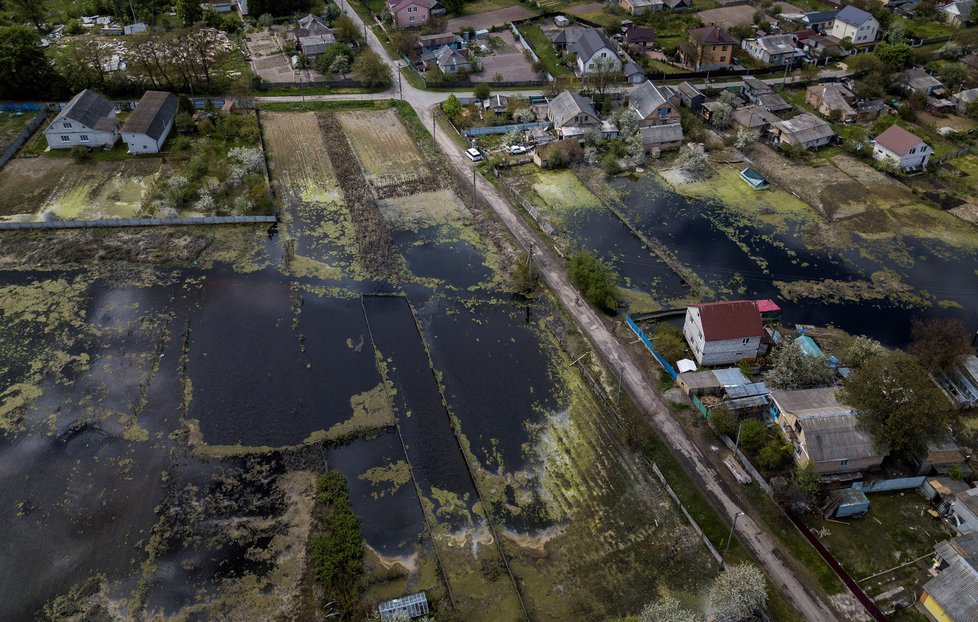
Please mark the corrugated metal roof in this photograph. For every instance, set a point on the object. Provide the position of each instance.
(853, 15)
(568, 105)
(731, 377)
(659, 134)
(809, 402)
(646, 97)
(806, 128)
(155, 110)
(91, 110)
(956, 590)
(836, 437)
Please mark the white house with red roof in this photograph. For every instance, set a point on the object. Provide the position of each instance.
(903, 147)
(413, 13)
(722, 333)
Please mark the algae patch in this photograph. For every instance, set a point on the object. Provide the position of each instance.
(396, 475)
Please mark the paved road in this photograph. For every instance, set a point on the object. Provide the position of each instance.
(811, 605)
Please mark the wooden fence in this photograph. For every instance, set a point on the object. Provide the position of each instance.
(35, 123)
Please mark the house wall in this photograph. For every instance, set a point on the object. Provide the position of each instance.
(722, 352)
(967, 519)
(755, 51)
(666, 114)
(668, 146)
(412, 15)
(794, 434)
(75, 135)
(859, 35)
(604, 55)
(907, 162)
(142, 143)
(935, 610)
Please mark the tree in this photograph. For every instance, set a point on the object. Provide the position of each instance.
(745, 138)
(753, 433)
(895, 56)
(950, 50)
(524, 115)
(347, 30)
(692, 159)
(189, 12)
(898, 404)
(33, 11)
(452, 108)
(25, 72)
(605, 74)
(722, 115)
(774, 455)
(737, 594)
(938, 343)
(556, 159)
(667, 609)
(594, 280)
(481, 91)
(953, 75)
(861, 350)
(669, 341)
(334, 50)
(265, 20)
(340, 66)
(810, 72)
(406, 41)
(371, 70)
(792, 368)
(724, 421)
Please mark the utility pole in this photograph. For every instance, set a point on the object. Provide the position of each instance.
(730, 537)
(434, 114)
(400, 89)
(529, 262)
(621, 372)
(473, 185)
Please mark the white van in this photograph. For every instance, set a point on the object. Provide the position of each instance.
(473, 154)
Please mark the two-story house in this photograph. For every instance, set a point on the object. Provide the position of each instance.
(708, 47)
(832, 97)
(88, 120)
(655, 105)
(721, 333)
(855, 24)
(823, 431)
(595, 53)
(898, 145)
(805, 130)
(413, 13)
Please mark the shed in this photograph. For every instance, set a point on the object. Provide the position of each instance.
(150, 123)
(768, 309)
(414, 605)
(808, 346)
(699, 383)
(848, 502)
(562, 21)
(752, 177)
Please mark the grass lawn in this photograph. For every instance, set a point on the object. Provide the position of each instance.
(658, 65)
(541, 45)
(484, 6)
(11, 125)
(924, 28)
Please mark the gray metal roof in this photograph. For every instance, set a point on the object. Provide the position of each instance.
(918, 79)
(731, 377)
(835, 96)
(754, 116)
(568, 105)
(819, 17)
(853, 15)
(777, 44)
(956, 590)
(806, 128)
(155, 110)
(773, 102)
(836, 437)
(91, 110)
(590, 42)
(646, 97)
(802, 402)
(659, 134)
(700, 379)
(689, 90)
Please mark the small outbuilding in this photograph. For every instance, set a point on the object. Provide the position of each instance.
(150, 123)
(755, 179)
(847, 502)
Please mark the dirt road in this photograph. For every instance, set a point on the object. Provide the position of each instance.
(813, 606)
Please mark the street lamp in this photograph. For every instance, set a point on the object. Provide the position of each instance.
(730, 537)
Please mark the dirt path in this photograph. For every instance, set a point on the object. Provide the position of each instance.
(813, 606)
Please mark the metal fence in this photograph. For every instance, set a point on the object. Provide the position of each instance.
(35, 123)
(136, 222)
(709, 545)
(502, 129)
(648, 344)
(902, 483)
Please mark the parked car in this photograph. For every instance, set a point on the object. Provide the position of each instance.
(473, 154)
(517, 149)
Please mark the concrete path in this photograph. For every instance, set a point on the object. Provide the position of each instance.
(811, 605)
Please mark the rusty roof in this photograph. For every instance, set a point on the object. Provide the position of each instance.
(730, 320)
(898, 140)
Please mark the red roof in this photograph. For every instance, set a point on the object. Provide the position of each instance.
(711, 35)
(767, 306)
(898, 140)
(730, 320)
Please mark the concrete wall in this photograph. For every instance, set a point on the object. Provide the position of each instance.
(95, 139)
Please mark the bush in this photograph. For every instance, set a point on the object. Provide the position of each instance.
(337, 550)
(556, 159)
(753, 433)
(594, 280)
(774, 455)
(80, 154)
(724, 421)
(482, 91)
(669, 341)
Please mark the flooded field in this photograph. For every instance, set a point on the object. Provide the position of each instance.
(182, 389)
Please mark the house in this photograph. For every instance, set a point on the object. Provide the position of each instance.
(708, 47)
(964, 511)
(150, 123)
(432, 43)
(569, 147)
(654, 105)
(595, 53)
(820, 21)
(661, 137)
(917, 79)
(763, 95)
(448, 60)
(831, 97)
(640, 39)
(773, 49)
(309, 26)
(413, 13)
(854, 24)
(565, 40)
(806, 130)
(640, 7)
(960, 382)
(633, 73)
(753, 117)
(134, 29)
(570, 113)
(226, 6)
(678, 5)
(720, 333)
(818, 46)
(690, 96)
(496, 103)
(314, 45)
(88, 120)
(941, 458)
(903, 147)
(959, 12)
(823, 431)
(951, 595)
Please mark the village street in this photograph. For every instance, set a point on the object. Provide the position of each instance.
(761, 543)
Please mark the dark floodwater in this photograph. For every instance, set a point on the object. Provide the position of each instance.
(456, 263)
(710, 240)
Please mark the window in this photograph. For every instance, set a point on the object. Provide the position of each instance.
(844, 462)
(745, 340)
(604, 54)
(412, 18)
(67, 125)
(66, 139)
(914, 150)
(83, 138)
(723, 58)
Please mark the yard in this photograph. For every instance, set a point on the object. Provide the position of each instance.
(478, 20)
(729, 17)
(538, 40)
(896, 531)
(385, 150)
(11, 125)
(506, 61)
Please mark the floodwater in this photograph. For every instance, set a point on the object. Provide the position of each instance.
(745, 260)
